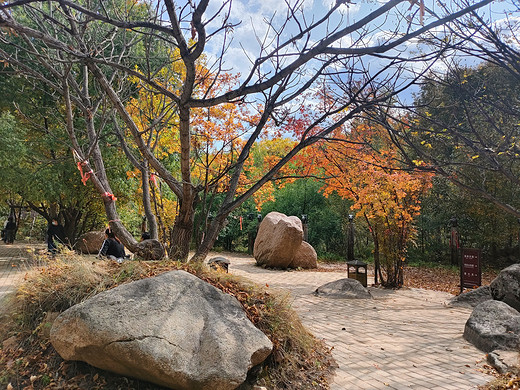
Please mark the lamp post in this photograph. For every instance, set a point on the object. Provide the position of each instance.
(350, 238)
(251, 235)
(454, 242)
(305, 221)
(518, 237)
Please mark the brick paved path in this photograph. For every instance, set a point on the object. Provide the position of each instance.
(406, 339)
(15, 260)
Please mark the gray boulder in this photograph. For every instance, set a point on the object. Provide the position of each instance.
(90, 243)
(493, 325)
(506, 286)
(344, 288)
(150, 250)
(174, 330)
(472, 298)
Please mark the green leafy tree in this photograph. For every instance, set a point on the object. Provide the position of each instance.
(481, 224)
(81, 112)
(298, 54)
(40, 173)
(465, 122)
(326, 233)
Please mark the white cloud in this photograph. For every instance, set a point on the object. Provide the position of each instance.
(345, 8)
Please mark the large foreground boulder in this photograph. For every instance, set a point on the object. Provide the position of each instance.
(278, 239)
(150, 250)
(506, 286)
(305, 257)
(174, 330)
(472, 298)
(90, 243)
(344, 288)
(493, 325)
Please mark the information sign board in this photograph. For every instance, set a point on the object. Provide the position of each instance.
(470, 272)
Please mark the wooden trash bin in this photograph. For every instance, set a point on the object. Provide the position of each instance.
(357, 269)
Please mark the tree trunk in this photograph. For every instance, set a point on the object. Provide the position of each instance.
(182, 231)
(147, 204)
(71, 219)
(209, 239)
(183, 227)
(180, 238)
(377, 262)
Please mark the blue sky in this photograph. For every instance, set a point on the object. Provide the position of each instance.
(252, 14)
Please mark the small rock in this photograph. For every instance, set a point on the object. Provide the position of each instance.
(344, 288)
(305, 257)
(47, 322)
(472, 298)
(503, 361)
(219, 263)
(494, 359)
(150, 250)
(90, 242)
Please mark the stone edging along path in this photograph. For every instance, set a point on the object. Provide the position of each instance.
(405, 339)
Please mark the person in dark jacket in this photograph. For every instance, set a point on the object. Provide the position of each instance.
(9, 230)
(55, 235)
(112, 248)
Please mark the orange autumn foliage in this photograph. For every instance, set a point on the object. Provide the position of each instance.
(215, 132)
(363, 165)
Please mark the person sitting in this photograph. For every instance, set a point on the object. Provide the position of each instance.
(9, 231)
(55, 235)
(112, 248)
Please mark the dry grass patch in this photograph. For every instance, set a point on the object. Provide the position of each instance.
(509, 381)
(28, 360)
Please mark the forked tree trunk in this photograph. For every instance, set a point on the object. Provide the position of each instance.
(180, 239)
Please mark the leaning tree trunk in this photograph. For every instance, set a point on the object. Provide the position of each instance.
(147, 204)
(100, 181)
(209, 239)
